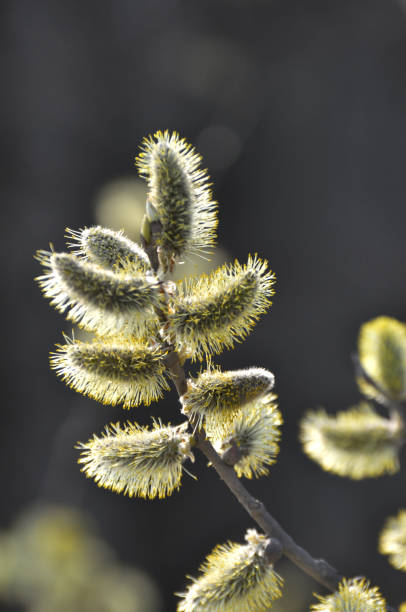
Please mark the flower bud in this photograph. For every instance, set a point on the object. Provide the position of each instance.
(146, 234)
(152, 212)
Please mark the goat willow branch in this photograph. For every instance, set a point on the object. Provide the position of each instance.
(318, 569)
(146, 327)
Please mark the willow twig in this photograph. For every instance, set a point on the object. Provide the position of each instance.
(319, 569)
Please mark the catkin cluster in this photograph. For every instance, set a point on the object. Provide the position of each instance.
(122, 292)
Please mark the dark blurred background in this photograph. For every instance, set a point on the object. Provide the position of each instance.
(299, 109)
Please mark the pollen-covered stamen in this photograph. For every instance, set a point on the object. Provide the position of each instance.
(234, 577)
(358, 443)
(179, 191)
(114, 372)
(97, 299)
(133, 460)
(213, 312)
(255, 432)
(108, 248)
(352, 596)
(214, 398)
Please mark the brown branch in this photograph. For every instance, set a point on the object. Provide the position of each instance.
(319, 569)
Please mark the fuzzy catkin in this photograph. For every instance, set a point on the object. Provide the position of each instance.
(357, 443)
(214, 398)
(136, 461)
(234, 577)
(382, 354)
(97, 299)
(215, 311)
(113, 372)
(108, 249)
(255, 432)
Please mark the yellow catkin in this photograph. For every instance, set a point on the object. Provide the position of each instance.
(113, 372)
(234, 577)
(215, 311)
(179, 190)
(214, 398)
(136, 461)
(255, 431)
(108, 248)
(357, 443)
(352, 596)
